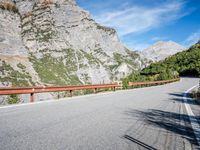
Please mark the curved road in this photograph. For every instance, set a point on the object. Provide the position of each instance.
(148, 118)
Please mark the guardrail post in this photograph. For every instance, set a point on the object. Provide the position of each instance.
(114, 88)
(95, 90)
(32, 97)
(71, 93)
(58, 95)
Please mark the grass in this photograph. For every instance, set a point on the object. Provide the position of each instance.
(15, 77)
(44, 36)
(101, 52)
(70, 61)
(119, 58)
(13, 99)
(132, 54)
(54, 71)
(91, 58)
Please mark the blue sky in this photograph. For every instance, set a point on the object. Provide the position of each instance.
(141, 23)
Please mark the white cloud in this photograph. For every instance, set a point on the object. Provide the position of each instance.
(192, 39)
(137, 19)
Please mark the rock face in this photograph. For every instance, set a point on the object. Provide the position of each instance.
(55, 42)
(161, 50)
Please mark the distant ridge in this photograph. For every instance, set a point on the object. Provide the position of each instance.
(161, 50)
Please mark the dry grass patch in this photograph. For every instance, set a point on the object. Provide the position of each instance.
(46, 2)
(9, 6)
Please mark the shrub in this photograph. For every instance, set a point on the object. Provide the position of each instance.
(13, 99)
(9, 6)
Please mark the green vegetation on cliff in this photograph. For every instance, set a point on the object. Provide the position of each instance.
(56, 71)
(128, 59)
(15, 77)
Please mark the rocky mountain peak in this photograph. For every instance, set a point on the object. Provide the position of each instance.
(162, 49)
(55, 42)
(26, 6)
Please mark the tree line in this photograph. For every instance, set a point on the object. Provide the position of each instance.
(186, 63)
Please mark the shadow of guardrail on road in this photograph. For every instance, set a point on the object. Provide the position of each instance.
(178, 97)
(168, 121)
(177, 94)
(189, 101)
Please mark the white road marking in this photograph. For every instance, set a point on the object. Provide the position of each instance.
(193, 120)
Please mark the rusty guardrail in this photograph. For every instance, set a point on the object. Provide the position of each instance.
(43, 89)
(152, 82)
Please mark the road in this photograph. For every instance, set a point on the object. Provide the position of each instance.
(147, 118)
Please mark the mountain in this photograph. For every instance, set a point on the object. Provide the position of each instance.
(161, 50)
(186, 63)
(55, 42)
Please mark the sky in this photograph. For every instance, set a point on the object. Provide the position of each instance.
(141, 23)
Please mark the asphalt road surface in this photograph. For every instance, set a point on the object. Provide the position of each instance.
(147, 118)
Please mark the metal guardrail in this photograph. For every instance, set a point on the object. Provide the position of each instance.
(43, 89)
(152, 82)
